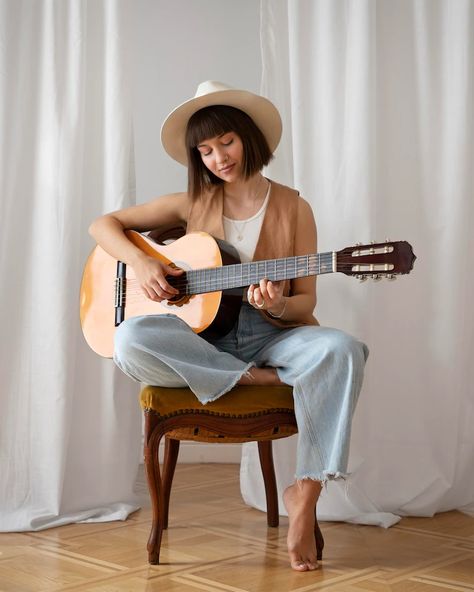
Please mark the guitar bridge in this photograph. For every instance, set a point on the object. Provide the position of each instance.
(120, 291)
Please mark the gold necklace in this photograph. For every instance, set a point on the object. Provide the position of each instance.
(240, 230)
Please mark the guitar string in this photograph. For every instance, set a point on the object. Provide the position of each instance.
(219, 284)
(199, 282)
(303, 263)
(306, 264)
(301, 266)
(204, 289)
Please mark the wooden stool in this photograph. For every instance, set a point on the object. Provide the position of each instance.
(244, 414)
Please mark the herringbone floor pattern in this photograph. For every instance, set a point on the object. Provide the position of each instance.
(217, 544)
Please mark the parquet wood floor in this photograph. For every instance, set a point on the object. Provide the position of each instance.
(217, 544)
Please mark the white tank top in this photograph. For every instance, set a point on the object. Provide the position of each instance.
(243, 234)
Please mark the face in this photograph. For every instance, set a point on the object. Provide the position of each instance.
(223, 156)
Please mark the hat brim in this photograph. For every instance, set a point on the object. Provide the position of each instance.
(261, 110)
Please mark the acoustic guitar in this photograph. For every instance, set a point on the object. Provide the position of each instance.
(210, 289)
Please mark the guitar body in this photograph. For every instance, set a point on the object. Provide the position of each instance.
(211, 314)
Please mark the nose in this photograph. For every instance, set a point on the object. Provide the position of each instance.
(221, 157)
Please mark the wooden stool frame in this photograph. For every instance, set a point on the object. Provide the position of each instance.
(244, 429)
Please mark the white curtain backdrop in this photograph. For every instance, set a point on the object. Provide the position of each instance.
(70, 427)
(377, 100)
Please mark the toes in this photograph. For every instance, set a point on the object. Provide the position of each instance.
(299, 565)
(297, 562)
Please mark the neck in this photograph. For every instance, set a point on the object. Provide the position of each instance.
(243, 198)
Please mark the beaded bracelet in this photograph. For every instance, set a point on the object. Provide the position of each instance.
(274, 316)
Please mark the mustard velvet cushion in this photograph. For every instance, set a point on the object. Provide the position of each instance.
(241, 402)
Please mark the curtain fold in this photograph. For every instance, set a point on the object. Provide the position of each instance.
(378, 101)
(70, 423)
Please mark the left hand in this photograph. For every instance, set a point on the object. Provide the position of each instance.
(267, 295)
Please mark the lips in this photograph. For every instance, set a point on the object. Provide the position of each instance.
(226, 169)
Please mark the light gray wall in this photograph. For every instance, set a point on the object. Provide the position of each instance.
(175, 45)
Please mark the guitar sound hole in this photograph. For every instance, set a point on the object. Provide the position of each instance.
(179, 300)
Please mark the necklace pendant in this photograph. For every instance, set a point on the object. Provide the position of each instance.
(239, 237)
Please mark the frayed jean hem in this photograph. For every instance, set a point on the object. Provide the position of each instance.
(323, 477)
(227, 388)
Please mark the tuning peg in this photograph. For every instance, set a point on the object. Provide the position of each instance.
(387, 240)
(376, 277)
(361, 277)
(391, 277)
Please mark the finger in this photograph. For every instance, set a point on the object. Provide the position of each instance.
(250, 293)
(151, 294)
(174, 270)
(167, 291)
(162, 289)
(271, 290)
(263, 288)
(258, 297)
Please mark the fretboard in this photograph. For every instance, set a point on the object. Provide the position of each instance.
(200, 281)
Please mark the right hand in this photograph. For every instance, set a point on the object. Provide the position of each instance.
(151, 275)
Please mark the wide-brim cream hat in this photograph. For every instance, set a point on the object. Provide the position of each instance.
(261, 110)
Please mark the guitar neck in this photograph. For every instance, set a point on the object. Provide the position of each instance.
(227, 277)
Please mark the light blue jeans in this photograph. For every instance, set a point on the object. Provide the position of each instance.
(325, 367)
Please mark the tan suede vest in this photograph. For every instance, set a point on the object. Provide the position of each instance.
(206, 214)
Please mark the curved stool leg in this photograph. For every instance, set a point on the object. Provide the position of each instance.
(268, 471)
(318, 535)
(169, 465)
(152, 467)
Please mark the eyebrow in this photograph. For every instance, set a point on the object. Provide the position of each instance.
(219, 136)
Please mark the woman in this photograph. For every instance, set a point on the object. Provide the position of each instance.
(225, 137)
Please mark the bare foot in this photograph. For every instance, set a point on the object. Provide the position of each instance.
(300, 501)
(261, 377)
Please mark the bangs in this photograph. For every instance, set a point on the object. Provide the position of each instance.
(208, 123)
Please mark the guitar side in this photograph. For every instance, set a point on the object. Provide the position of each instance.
(97, 296)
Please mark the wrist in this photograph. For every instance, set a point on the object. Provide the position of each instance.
(279, 313)
(137, 257)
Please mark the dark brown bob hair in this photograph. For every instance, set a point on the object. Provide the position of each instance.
(216, 120)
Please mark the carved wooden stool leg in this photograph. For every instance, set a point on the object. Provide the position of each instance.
(152, 467)
(318, 535)
(268, 471)
(169, 465)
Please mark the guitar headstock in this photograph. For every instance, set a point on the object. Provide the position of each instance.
(376, 260)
